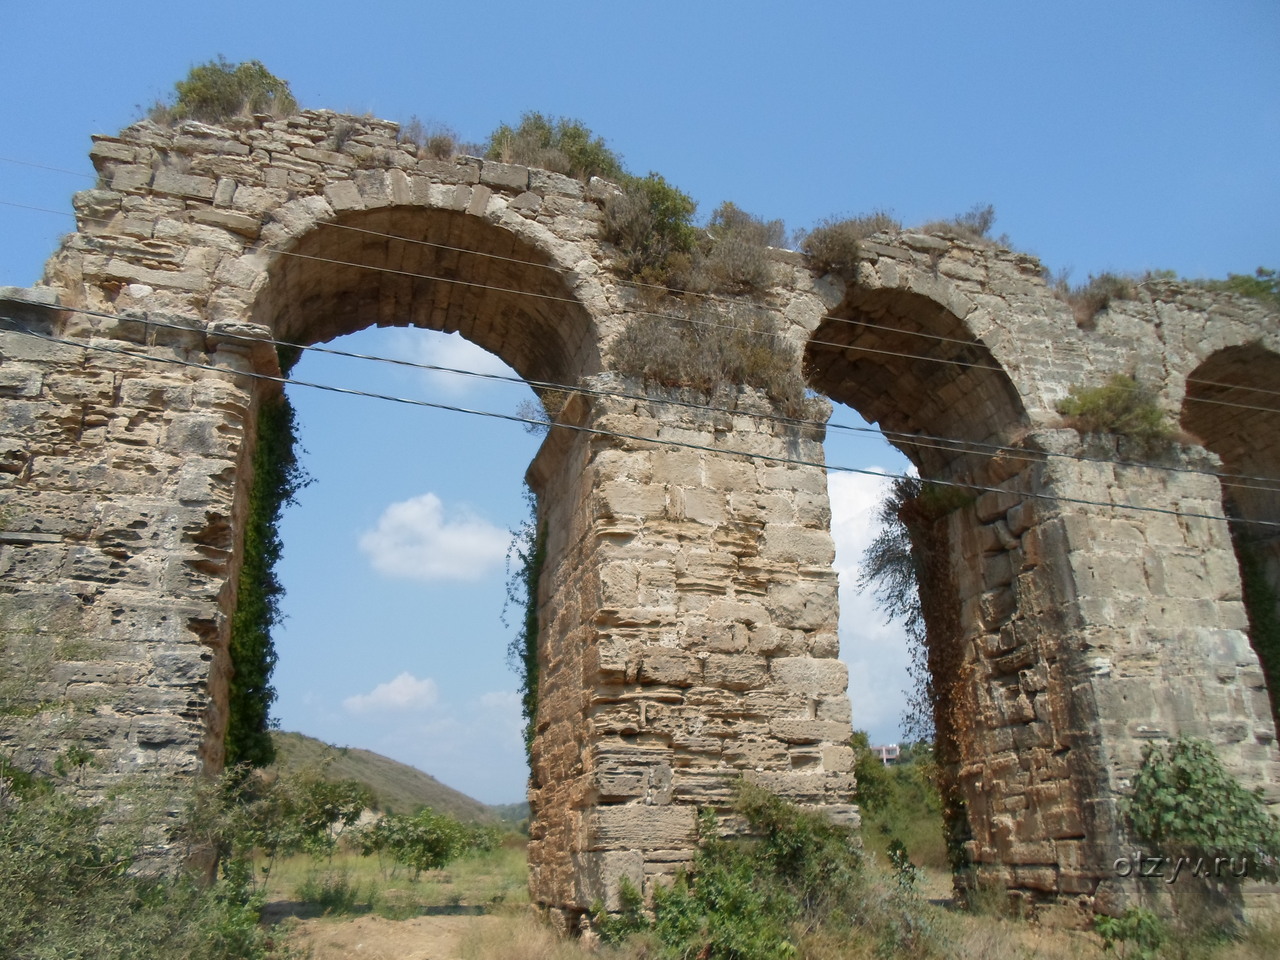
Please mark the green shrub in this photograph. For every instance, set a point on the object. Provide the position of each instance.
(718, 345)
(426, 840)
(217, 91)
(561, 145)
(651, 224)
(70, 890)
(834, 246)
(332, 892)
(1264, 285)
(1121, 407)
(1136, 933)
(755, 898)
(1185, 803)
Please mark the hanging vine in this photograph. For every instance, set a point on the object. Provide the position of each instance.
(277, 477)
(525, 559)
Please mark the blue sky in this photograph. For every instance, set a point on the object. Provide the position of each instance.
(1109, 136)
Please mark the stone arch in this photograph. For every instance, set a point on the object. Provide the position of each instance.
(1232, 408)
(905, 361)
(435, 269)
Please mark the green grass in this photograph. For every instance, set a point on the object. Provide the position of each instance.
(351, 884)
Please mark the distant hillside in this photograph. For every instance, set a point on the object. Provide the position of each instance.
(397, 787)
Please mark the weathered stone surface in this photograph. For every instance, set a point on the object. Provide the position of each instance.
(687, 607)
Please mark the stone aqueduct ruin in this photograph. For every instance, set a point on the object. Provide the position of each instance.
(688, 602)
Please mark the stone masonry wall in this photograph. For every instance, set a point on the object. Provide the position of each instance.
(687, 609)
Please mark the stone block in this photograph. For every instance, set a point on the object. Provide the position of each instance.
(344, 195)
(809, 676)
(636, 826)
(183, 185)
(507, 175)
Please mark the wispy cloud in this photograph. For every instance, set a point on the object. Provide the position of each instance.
(451, 351)
(406, 693)
(415, 539)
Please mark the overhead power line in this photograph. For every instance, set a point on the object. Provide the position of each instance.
(657, 441)
(677, 317)
(919, 440)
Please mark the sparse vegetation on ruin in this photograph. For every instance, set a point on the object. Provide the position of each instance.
(559, 144)
(718, 345)
(1089, 299)
(1121, 407)
(834, 245)
(974, 224)
(216, 91)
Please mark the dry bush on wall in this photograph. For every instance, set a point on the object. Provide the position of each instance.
(974, 224)
(1092, 298)
(834, 245)
(436, 141)
(733, 256)
(718, 345)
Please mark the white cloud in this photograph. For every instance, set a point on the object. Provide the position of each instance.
(405, 693)
(450, 350)
(414, 539)
(875, 652)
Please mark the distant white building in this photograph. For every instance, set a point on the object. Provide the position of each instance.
(888, 753)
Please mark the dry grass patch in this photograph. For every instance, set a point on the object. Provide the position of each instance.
(834, 245)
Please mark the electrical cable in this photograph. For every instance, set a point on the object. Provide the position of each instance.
(793, 461)
(689, 320)
(924, 441)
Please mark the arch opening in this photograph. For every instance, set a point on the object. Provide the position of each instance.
(1012, 760)
(451, 272)
(436, 269)
(1226, 408)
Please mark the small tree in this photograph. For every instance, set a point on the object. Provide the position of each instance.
(560, 144)
(218, 90)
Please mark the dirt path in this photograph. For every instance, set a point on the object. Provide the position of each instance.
(375, 938)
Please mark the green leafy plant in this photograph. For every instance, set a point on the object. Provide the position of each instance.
(526, 556)
(277, 477)
(425, 840)
(757, 897)
(558, 144)
(216, 91)
(834, 245)
(1185, 803)
(650, 222)
(75, 884)
(1136, 933)
(1121, 407)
